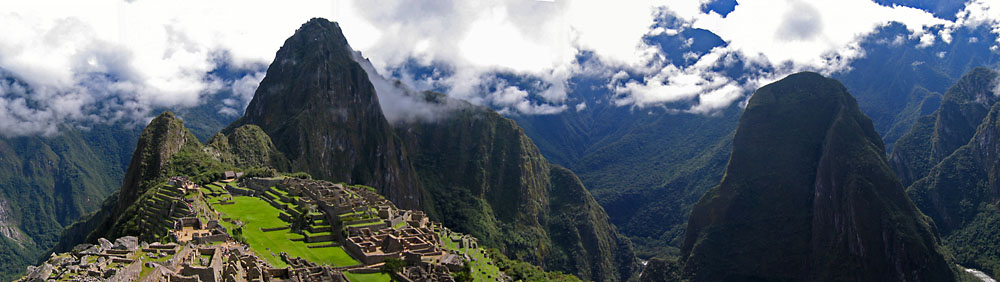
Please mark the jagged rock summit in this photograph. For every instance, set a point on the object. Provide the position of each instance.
(320, 109)
(808, 195)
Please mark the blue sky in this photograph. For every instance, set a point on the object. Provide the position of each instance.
(78, 63)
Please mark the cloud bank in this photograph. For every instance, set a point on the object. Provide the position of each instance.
(72, 63)
(67, 63)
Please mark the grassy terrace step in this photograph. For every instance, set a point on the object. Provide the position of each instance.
(154, 210)
(314, 234)
(162, 197)
(279, 191)
(320, 227)
(173, 192)
(372, 277)
(364, 224)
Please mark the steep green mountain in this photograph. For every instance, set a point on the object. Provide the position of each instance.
(321, 110)
(167, 148)
(485, 177)
(956, 149)
(46, 183)
(808, 195)
(961, 194)
(935, 136)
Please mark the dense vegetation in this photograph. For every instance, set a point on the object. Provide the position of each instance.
(48, 182)
(486, 178)
(935, 136)
(523, 271)
(958, 189)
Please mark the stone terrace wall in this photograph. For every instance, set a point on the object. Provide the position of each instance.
(128, 273)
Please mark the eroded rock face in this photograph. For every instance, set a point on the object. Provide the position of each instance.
(8, 224)
(809, 196)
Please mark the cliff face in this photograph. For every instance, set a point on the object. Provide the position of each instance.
(809, 196)
(935, 136)
(485, 177)
(321, 111)
(961, 192)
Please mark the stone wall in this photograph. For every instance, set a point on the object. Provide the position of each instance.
(211, 238)
(128, 273)
(261, 184)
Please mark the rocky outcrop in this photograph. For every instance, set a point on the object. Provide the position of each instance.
(808, 195)
(247, 146)
(320, 109)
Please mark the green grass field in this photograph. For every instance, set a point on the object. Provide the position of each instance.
(374, 277)
(255, 214)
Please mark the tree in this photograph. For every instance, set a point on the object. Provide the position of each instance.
(392, 265)
(465, 275)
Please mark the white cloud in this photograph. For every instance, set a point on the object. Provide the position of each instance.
(105, 60)
(805, 32)
(786, 36)
(476, 38)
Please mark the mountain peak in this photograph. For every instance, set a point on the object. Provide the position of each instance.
(323, 32)
(809, 196)
(320, 109)
(804, 89)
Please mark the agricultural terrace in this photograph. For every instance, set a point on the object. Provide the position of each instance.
(256, 214)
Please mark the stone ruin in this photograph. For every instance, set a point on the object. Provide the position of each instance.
(105, 261)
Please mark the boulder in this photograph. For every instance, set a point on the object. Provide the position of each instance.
(39, 273)
(105, 244)
(129, 243)
(79, 249)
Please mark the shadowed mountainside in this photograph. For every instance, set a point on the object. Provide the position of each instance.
(809, 196)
